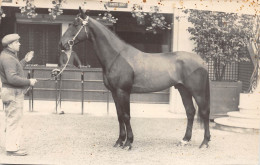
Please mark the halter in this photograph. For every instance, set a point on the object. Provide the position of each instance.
(84, 23)
(71, 43)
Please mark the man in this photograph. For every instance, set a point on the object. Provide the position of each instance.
(14, 84)
(71, 56)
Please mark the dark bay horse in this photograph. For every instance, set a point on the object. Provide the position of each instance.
(128, 70)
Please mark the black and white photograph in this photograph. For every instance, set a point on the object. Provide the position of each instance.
(134, 82)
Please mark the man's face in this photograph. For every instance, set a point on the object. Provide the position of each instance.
(15, 46)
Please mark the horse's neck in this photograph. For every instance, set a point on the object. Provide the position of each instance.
(106, 44)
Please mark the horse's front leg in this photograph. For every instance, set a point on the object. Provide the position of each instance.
(123, 112)
(122, 131)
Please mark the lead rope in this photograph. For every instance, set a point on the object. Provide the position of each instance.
(56, 76)
(59, 96)
(70, 43)
(70, 51)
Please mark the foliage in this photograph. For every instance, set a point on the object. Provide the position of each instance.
(56, 9)
(220, 37)
(2, 14)
(254, 44)
(107, 16)
(156, 20)
(29, 9)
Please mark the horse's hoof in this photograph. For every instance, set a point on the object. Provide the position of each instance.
(128, 147)
(118, 144)
(204, 143)
(183, 143)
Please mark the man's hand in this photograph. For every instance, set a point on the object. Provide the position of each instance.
(29, 56)
(32, 81)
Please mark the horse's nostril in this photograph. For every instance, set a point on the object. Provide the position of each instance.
(61, 46)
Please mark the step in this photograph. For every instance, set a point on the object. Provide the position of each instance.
(251, 100)
(249, 106)
(236, 114)
(226, 124)
(249, 111)
(245, 121)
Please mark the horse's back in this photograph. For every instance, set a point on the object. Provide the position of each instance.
(158, 71)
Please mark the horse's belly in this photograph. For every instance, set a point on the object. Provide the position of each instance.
(152, 80)
(151, 85)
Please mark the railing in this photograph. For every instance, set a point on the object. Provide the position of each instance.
(58, 90)
(79, 85)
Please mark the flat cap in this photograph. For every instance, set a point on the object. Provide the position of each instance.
(9, 38)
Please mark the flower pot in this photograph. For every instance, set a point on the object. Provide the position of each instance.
(224, 97)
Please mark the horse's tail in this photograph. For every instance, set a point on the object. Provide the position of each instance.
(208, 95)
(204, 112)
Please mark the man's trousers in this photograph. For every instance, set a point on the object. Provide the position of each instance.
(13, 102)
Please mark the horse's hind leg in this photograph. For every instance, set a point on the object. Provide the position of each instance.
(201, 93)
(190, 112)
(204, 111)
(123, 111)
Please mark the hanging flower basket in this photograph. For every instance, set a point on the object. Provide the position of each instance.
(107, 16)
(29, 9)
(155, 20)
(56, 9)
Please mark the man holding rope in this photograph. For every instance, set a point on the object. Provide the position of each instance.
(14, 84)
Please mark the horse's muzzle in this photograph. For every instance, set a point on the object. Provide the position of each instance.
(63, 46)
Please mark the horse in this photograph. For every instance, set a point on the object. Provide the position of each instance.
(128, 70)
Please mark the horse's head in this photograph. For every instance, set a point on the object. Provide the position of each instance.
(76, 32)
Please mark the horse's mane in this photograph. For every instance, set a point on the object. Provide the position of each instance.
(111, 37)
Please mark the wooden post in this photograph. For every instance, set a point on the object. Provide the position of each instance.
(56, 87)
(82, 92)
(32, 88)
(60, 85)
(29, 76)
(107, 102)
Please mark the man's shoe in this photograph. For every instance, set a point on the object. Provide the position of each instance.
(16, 153)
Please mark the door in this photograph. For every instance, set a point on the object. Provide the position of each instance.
(43, 39)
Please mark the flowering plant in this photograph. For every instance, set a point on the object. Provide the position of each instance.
(2, 14)
(29, 9)
(56, 9)
(157, 20)
(107, 16)
(137, 12)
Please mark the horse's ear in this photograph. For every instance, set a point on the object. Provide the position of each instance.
(82, 13)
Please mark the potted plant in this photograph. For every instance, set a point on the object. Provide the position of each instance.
(221, 40)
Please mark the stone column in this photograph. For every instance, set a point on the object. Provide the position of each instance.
(257, 90)
(181, 42)
(175, 101)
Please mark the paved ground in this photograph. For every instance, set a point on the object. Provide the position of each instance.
(88, 139)
(102, 109)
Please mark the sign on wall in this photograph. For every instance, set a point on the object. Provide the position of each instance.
(117, 4)
(7, 1)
